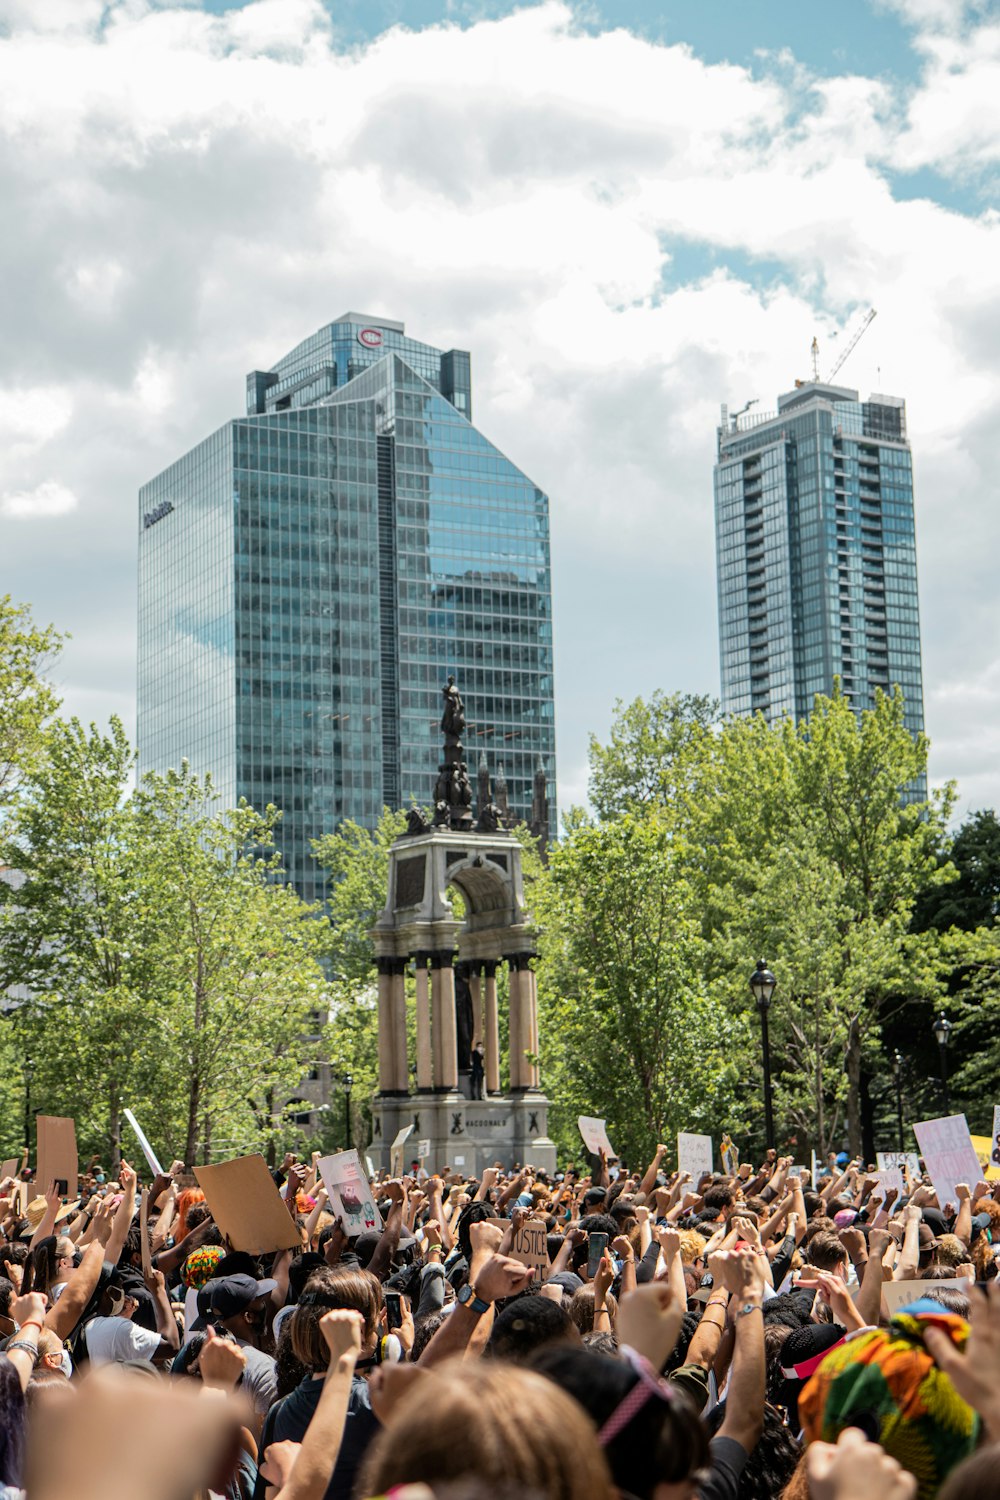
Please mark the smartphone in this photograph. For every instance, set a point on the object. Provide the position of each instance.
(597, 1246)
(393, 1310)
(62, 1186)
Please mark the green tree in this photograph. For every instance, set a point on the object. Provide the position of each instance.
(170, 968)
(630, 1029)
(653, 751)
(972, 898)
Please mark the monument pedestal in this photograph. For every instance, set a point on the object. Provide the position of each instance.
(465, 1135)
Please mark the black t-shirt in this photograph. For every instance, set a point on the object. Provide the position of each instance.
(728, 1459)
(289, 1418)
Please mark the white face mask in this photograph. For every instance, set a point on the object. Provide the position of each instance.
(66, 1364)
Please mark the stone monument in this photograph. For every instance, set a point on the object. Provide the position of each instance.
(455, 965)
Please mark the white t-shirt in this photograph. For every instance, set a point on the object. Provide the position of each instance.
(114, 1340)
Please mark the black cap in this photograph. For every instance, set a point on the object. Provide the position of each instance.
(228, 1296)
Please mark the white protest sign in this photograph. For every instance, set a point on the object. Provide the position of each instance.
(595, 1136)
(897, 1294)
(946, 1146)
(369, 1167)
(145, 1147)
(396, 1150)
(350, 1193)
(459, 1161)
(423, 1150)
(995, 1148)
(694, 1154)
(889, 1178)
(900, 1159)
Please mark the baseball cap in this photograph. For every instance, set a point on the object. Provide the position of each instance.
(227, 1296)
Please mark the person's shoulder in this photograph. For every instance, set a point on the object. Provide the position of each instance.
(728, 1460)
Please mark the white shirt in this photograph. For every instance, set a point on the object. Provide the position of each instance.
(114, 1340)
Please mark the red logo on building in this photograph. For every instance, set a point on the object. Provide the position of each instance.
(370, 337)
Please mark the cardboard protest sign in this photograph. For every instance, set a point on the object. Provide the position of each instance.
(351, 1198)
(946, 1146)
(396, 1150)
(423, 1150)
(530, 1247)
(595, 1136)
(897, 1294)
(144, 1146)
(694, 1154)
(369, 1167)
(9, 1168)
(246, 1205)
(57, 1158)
(900, 1159)
(147, 1262)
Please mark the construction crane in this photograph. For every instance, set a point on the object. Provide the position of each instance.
(855, 340)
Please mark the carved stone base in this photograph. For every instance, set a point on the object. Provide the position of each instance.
(465, 1135)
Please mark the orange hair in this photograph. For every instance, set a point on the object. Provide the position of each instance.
(185, 1203)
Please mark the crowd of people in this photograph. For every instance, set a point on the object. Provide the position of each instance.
(735, 1338)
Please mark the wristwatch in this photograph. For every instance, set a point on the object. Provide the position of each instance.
(468, 1298)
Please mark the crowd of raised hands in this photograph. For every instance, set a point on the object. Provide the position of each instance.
(571, 1335)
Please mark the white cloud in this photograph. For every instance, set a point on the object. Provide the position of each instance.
(622, 234)
(50, 498)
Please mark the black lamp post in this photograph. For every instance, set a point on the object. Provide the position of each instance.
(897, 1073)
(942, 1030)
(348, 1083)
(763, 983)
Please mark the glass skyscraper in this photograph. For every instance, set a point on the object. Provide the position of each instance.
(311, 573)
(816, 554)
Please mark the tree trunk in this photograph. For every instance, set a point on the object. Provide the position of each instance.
(821, 1144)
(853, 1061)
(191, 1136)
(115, 1129)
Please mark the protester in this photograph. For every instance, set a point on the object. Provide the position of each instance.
(725, 1340)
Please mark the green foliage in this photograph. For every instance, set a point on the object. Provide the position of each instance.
(629, 1028)
(653, 752)
(170, 968)
(972, 899)
(27, 700)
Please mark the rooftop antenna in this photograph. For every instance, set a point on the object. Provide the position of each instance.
(815, 357)
(855, 340)
(737, 414)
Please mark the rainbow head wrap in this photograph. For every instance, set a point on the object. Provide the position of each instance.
(200, 1265)
(884, 1381)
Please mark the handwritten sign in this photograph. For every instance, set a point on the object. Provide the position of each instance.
(694, 1154)
(946, 1146)
(889, 1178)
(900, 1159)
(595, 1136)
(530, 1247)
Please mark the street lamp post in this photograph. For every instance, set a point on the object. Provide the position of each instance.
(348, 1083)
(897, 1073)
(942, 1030)
(763, 984)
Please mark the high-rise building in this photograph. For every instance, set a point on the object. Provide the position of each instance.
(311, 573)
(816, 554)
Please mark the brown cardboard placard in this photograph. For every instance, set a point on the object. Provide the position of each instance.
(147, 1261)
(246, 1205)
(57, 1156)
(10, 1166)
(531, 1248)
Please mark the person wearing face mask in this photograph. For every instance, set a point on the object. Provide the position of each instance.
(239, 1304)
(113, 1338)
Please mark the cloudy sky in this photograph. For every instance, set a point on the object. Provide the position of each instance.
(629, 211)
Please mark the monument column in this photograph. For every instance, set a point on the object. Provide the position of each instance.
(515, 1024)
(425, 1063)
(443, 1007)
(385, 1068)
(401, 1084)
(529, 998)
(491, 1027)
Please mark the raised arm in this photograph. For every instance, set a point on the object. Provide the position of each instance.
(317, 1455)
(124, 1214)
(653, 1170)
(743, 1274)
